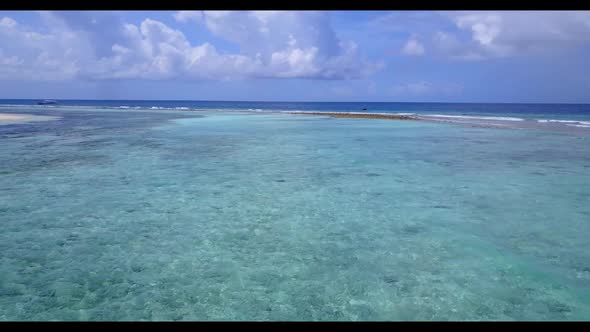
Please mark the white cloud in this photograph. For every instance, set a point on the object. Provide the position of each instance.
(290, 44)
(413, 47)
(28, 55)
(102, 46)
(408, 21)
(480, 35)
(515, 33)
(184, 16)
(423, 88)
(485, 28)
(453, 48)
(156, 51)
(7, 22)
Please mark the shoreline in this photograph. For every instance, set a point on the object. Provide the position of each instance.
(12, 118)
(355, 115)
(473, 121)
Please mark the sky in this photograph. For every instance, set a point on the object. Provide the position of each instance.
(389, 56)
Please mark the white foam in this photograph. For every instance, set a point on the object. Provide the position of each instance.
(562, 121)
(16, 105)
(575, 123)
(346, 113)
(498, 118)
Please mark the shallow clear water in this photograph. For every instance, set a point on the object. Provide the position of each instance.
(114, 215)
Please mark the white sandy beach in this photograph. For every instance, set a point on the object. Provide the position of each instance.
(11, 118)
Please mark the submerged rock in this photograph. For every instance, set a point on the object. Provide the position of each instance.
(390, 279)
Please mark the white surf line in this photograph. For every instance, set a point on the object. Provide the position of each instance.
(472, 117)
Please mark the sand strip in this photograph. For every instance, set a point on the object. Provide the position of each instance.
(15, 118)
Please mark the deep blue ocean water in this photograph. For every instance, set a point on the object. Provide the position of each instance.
(164, 214)
(557, 111)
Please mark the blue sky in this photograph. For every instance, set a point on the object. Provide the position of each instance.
(422, 56)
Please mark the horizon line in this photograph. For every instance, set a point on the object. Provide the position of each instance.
(290, 101)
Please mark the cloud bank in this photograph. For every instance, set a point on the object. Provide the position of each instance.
(482, 35)
(101, 46)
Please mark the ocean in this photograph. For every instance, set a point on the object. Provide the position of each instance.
(179, 210)
(560, 111)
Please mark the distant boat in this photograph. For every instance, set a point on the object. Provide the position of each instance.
(47, 102)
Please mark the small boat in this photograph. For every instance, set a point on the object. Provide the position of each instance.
(47, 102)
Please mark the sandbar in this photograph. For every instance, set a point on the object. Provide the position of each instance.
(16, 118)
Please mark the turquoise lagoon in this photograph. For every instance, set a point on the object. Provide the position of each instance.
(170, 215)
